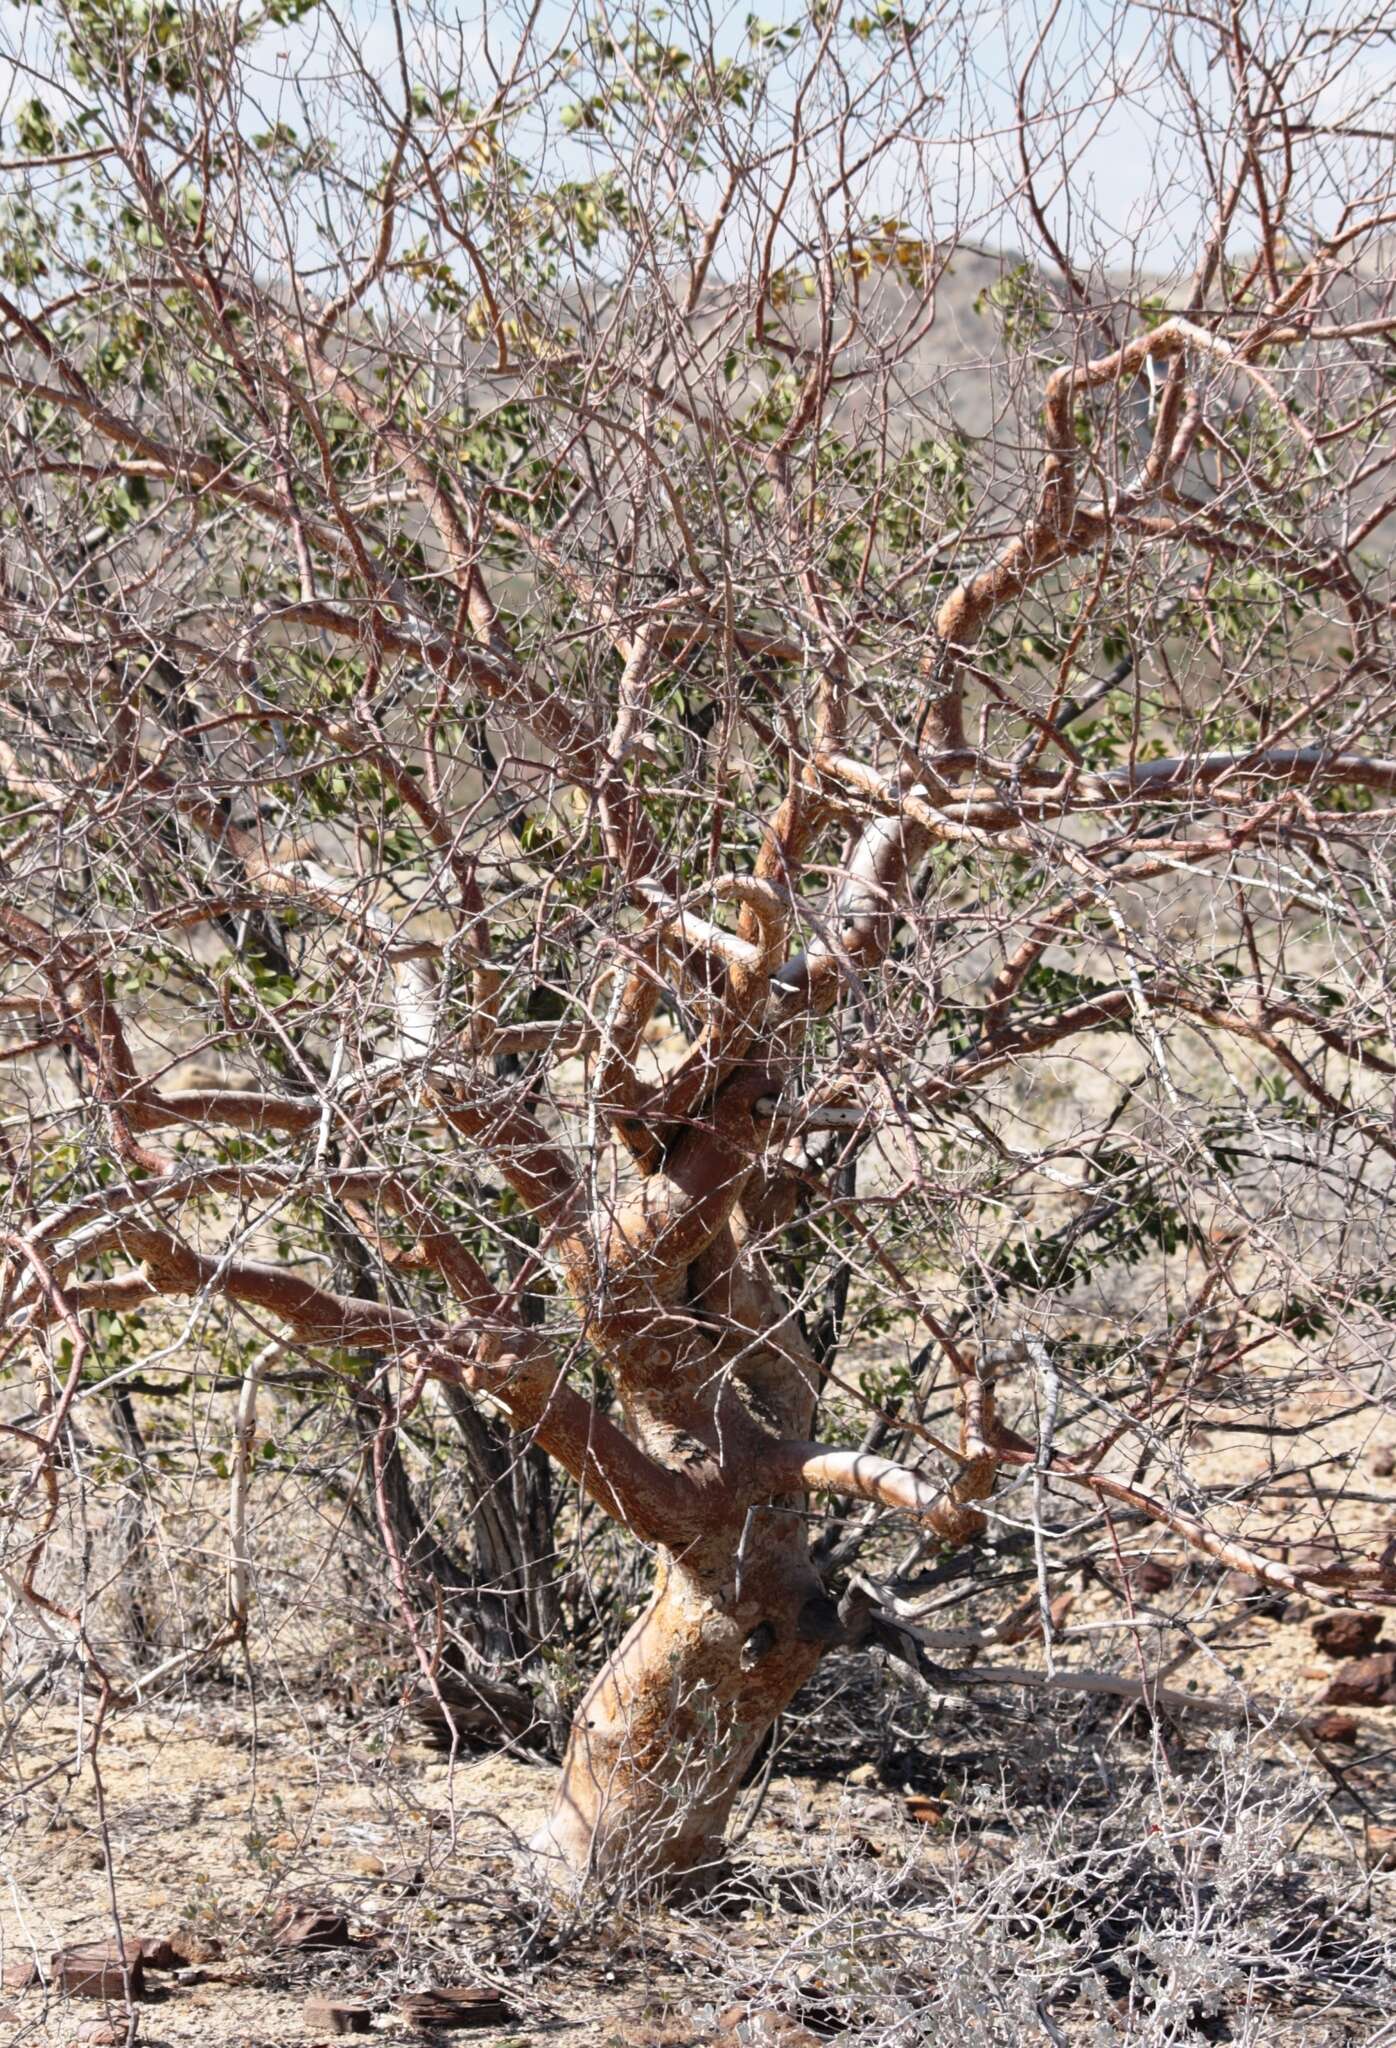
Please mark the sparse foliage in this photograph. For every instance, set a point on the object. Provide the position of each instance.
(678, 841)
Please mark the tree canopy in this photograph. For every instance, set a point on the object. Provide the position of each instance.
(696, 754)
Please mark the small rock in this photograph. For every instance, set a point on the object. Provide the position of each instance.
(927, 1813)
(1383, 1462)
(101, 2033)
(1335, 1727)
(96, 1971)
(462, 2005)
(336, 2016)
(865, 1774)
(470, 1712)
(1364, 1682)
(19, 1973)
(194, 1974)
(1346, 1634)
(368, 1866)
(479, 2005)
(309, 1927)
(158, 1952)
(1149, 1576)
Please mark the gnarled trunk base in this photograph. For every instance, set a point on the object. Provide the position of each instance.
(664, 1737)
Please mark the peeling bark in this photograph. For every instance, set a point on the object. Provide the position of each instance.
(664, 1737)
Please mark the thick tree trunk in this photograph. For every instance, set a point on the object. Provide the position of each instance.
(716, 1381)
(665, 1735)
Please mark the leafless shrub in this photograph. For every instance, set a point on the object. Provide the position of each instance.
(1162, 1907)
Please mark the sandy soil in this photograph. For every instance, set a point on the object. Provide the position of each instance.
(216, 1812)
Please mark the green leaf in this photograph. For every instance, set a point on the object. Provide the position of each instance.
(34, 130)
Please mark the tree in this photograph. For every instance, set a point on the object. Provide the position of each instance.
(739, 835)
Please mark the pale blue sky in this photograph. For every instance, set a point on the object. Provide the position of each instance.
(1129, 195)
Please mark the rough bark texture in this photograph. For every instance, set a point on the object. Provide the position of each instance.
(666, 1733)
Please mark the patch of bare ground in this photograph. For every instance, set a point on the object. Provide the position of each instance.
(912, 1860)
(967, 1856)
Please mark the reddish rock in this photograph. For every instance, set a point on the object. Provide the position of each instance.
(19, 1973)
(1364, 1682)
(101, 2034)
(1150, 1576)
(96, 1971)
(312, 1927)
(927, 1813)
(461, 2005)
(1348, 1634)
(1334, 1727)
(336, 2016)
(158, 1952)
